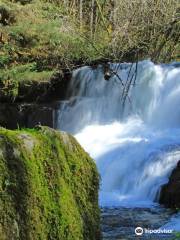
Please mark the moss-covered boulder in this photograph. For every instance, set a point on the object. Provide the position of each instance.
(48, 187)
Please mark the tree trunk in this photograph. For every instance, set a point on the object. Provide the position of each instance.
(81, 12)
(92, 17)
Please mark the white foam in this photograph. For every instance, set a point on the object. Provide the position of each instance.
(135, 147)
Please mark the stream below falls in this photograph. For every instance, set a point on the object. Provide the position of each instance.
(130, 125)
(120, 222)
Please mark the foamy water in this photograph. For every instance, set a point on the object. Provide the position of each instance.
(135, 146)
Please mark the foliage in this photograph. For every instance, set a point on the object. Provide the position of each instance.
(56, 34)
(24, 74)
(45, 34)
(177, 236)
(27, 72)
(147, 28)
(6, 15)
(48, 187)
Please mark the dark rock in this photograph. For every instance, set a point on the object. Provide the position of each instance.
(54, 89)
(36, 102)
(34, 91)
(170, 192)
(29, 115)
(107, 72)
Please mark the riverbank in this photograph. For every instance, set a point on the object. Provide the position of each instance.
(41, 39)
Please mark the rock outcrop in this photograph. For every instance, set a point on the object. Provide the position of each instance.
(28, 115)
(48, 187)
(30, 91)
(170, 192)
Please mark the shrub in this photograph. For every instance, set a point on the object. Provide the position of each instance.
(6, 15)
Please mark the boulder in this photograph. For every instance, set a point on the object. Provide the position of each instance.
(48, 187)
(170, 192)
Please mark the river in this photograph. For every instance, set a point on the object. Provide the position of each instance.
(130, 125)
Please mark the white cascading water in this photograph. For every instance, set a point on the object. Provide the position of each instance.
(135, 147)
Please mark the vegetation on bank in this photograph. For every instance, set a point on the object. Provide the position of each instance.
(37, 37)
(48, 187)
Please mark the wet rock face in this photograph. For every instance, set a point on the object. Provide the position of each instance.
(35, 103)
(29, 115)
(31, 91)
(170, 192)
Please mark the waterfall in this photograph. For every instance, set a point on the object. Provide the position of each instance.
(135, 146)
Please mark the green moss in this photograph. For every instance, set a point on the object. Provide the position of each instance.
(26, 72)
(50, 35)
(42, 32)
(36, 39)
(26, 75)
(48, 187)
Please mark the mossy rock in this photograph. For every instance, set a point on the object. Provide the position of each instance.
(48, 187)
